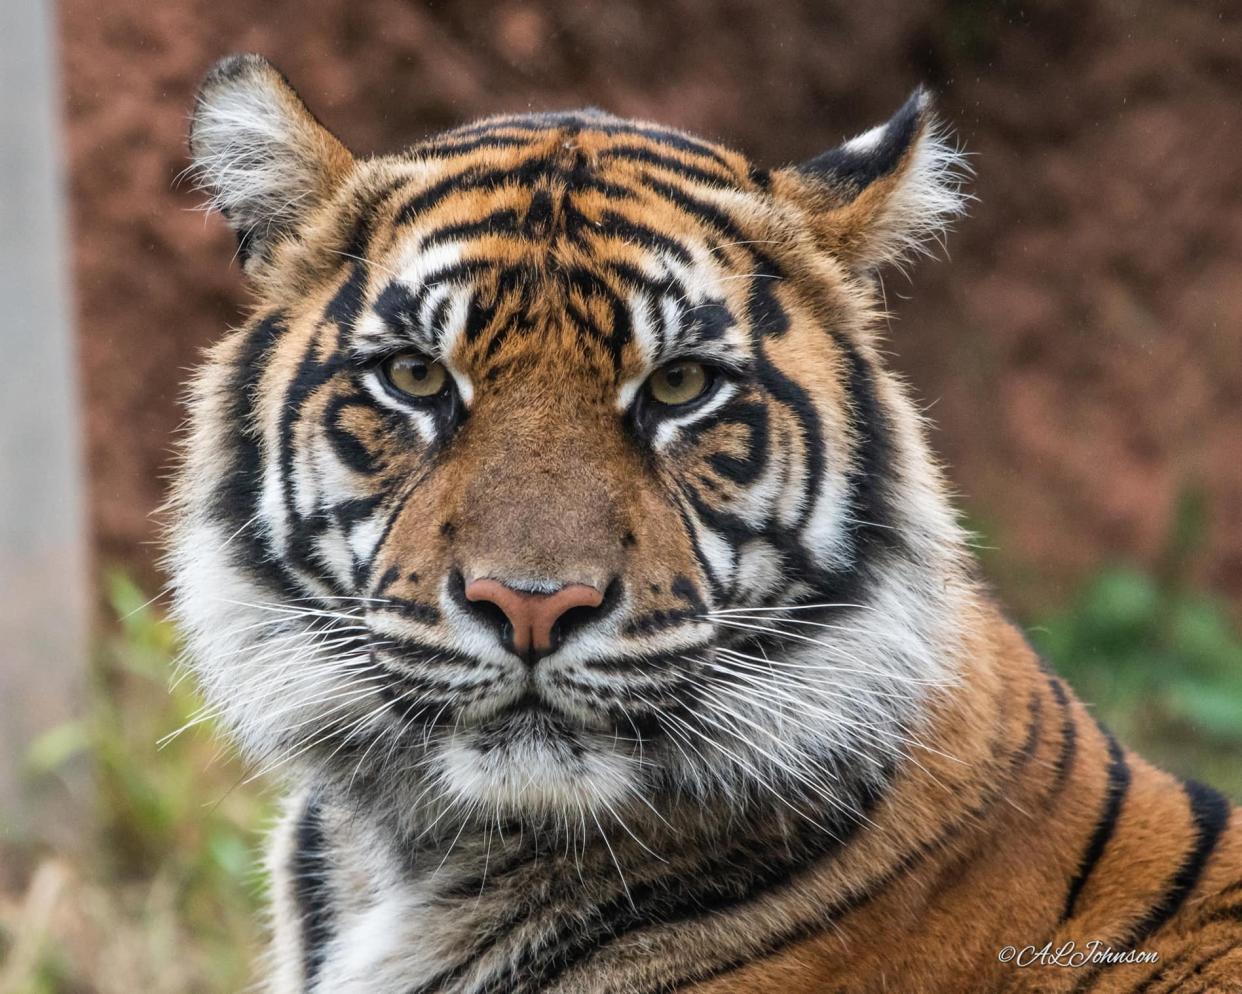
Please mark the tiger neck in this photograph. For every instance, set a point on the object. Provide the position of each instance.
(501, 903)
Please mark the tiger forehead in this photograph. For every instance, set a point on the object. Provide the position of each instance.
(568, 142)
(581, 233)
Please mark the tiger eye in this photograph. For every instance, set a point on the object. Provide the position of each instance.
(678, 383)
(415, 375)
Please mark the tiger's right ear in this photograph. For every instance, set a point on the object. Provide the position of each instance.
(881, 197)
(260, 154)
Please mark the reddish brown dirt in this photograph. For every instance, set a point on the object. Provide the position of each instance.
(1082, 354)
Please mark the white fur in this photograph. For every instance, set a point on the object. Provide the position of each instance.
(248, 155)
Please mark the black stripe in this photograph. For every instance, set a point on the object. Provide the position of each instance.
(795, 397)
(586, 120)
(447, 149)
(872, 521)
(744, 469)
(673, 139)
(424, 614)
(696, 208)
(828, 917)
(636, 153)
(1114, 794)
(235, 498)
(616, 225)
(312, 895)
(1069, 739)
(349, 448)
(766, 315)
(500, 222)
(522, 124)
(1187, 968)
(399, 505)
(1230, 914)
(426, 199)
(1161, 971)
(535, 171)
(693, 526)
(1209, 812)
(709, 321)
(1035, 725)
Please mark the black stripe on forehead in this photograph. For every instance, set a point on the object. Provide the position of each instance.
(539, 171)
(504, 221)
(400, 307)
(613, 224)
(681, 328)
(650, 157)
(707, 322)
(521, 292)
(567, 164)
(595, 296)
(505, 129)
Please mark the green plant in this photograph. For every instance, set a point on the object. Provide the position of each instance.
(170, 889)
(1161, 663)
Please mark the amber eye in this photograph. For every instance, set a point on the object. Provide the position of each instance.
(415, 375)
(679, 383)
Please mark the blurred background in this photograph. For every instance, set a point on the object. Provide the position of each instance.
(1081, 356)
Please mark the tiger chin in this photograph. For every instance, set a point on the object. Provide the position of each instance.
(555, 528)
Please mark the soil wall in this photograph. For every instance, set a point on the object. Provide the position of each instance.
(1081, 354)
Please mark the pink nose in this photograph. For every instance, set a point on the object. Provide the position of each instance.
(533, 617)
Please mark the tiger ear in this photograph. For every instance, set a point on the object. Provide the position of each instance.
(881, 197)
(260, 154)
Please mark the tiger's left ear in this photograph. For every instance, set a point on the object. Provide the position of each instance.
(260, 154)
(881, 197)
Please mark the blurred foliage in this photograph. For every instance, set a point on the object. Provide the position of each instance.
(169, 892)
(1163, 668)
(1160, 661)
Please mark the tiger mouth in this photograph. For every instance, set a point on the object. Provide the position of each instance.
(530, 716)
(565, 703)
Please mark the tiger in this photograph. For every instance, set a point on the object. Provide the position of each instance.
(556, 533)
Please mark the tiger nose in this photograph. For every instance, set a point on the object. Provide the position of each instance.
(533, 618)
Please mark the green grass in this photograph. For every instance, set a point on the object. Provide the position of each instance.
(168, 893)
(1163, 667)
(1159, 659)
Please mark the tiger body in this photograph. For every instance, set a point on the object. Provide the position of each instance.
(555, 525)
(1007, 836)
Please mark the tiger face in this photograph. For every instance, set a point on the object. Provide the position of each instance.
(556, 470)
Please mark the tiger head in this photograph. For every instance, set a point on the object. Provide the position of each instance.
(556, 468)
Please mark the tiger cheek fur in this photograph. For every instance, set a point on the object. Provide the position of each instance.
(556, 528)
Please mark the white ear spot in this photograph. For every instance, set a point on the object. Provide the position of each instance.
(257, 151)
(866, 143)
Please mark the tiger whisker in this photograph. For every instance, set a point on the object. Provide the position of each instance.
(830, 666)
